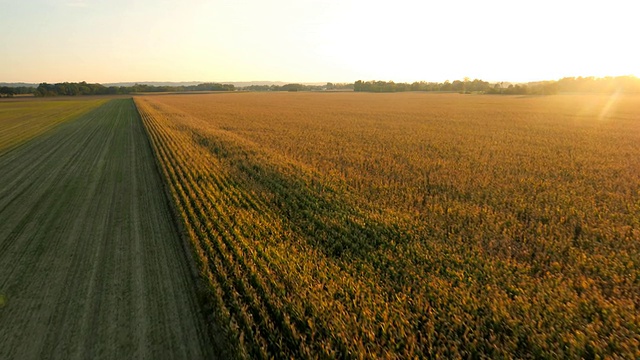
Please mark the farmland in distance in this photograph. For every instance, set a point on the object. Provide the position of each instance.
(410, 225)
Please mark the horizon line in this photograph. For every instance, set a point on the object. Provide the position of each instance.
(311, 82)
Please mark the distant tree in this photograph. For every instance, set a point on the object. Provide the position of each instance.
(291, 87)
(465, 85)
(457, 85)
(7, 91)
(478, 85)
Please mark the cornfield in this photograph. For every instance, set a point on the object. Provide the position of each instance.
(352, 225)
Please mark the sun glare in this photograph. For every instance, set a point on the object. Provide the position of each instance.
(606, 110)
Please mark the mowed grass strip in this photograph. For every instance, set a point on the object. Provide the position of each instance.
(26, 119)
(91, 265)
(410, 225)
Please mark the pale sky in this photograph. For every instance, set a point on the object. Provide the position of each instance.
(315, 41)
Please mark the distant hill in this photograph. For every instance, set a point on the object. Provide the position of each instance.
(191, 83)
(237, 84)
(18, 84)
(278, 83)
(154, 83)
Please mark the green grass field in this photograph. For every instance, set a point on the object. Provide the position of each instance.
(91, 265)
(22, 120)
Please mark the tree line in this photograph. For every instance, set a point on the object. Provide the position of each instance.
(84, 88)
(299, 87)
(626, 84)
(10, 91)
(462, 86)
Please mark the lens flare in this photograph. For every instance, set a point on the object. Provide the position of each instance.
(613, 99)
